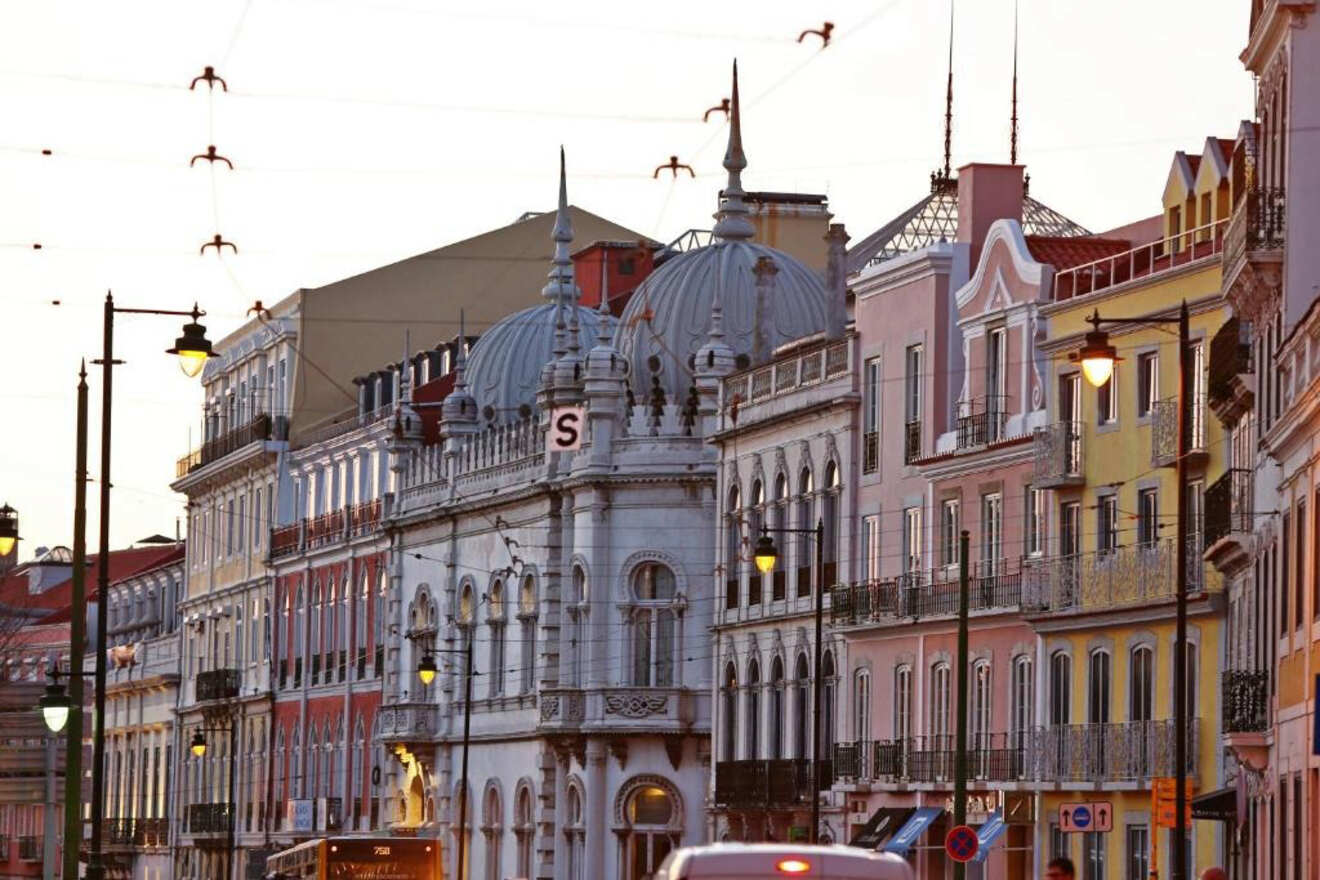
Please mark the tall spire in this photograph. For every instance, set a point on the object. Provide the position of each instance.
(460, 359)
(948, 104)
(405, 369)
(731, 223)
(1013, 124)
(560, 286)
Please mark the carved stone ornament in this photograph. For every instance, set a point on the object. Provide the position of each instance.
(635, 705)
(549, 708)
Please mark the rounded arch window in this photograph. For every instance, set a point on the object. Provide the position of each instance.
(650, 813)
(650, 805)
(804, 481)
(527, 596)
(466, 604)
(497, 600)
(733, 498)
(781, 487)
(580, 586)
(653, 582)
(831, 476)
(758, 494)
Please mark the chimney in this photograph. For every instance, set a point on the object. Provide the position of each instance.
(836, 281)
(765, 271)
(986, 193)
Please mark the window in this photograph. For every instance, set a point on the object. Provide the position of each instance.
(1034, 518)
(806, 490)
(527, 644)
(902, 702)
(949, 532)
(828, 703)
(1147, 517)
(871, 547)
(1299, 576)
(1093, 855)
(801, 683)
(242, 521)
(490, 819)
(1060, 689)
(649, 813)
(524, 829)
(992, 532)
(1098, 694)
(873, 380)
(912, 403)
(574, 632)
(654, 631)
(1138, 853)
(1060, 842)
(939, 706)
(1148, 382)
(1141, 702)
(753, 748)
(830, 523)
(778, 513)
(755, 517)
(1070, 528)
(1021, 707)
(982, 702)
(1106, 530)
(575, 834)
(996, 377)
(1106, 400)
(912, 560)
(861, 706)
(496, 623)
(256, 519)
(729, 709)
(732, 551)
(229, 528)
(777, 709)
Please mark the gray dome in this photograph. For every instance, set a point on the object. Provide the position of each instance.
(680, 294)
(504, 368)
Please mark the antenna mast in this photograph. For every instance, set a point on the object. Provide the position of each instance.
(1013, 130)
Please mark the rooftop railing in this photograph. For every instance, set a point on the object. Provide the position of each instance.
(1144, 261)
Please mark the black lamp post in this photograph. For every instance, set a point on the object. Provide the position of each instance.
(193, 349)
(197, 745)
(426, 670)
(8, 529)
(1097, 358)
(766, 556)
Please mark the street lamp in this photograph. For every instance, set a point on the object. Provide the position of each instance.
(55, 707)
(1097, 357)
(193, 349)
(765, 555)
(198, 745)
(8, 529)
(426, 670)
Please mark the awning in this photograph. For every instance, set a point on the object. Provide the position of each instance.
(987, 834)
(884, 822)
(913, 828)
(1216, 806)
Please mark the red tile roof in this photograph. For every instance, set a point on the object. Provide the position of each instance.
(1064, 253)
(56, 598)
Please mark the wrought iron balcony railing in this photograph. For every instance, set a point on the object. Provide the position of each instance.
(260, 427)
(1058, 455)
(1108, 579)
(982, 421)
(218, 684)
(768, 784)
(911, 441)
(210, 818)
(1228, 502)
(994, 584)
(29, 848)
(1164, 430)
(1230, 357)
(1113, 752)
(1257, 225)
(1245, 701)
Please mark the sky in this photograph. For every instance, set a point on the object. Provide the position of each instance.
(365, 132)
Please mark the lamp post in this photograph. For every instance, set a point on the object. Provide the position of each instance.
(1097, 358)
(766, 556)
(197, 745)
(426, 670)
(8, 529)
(193, 348)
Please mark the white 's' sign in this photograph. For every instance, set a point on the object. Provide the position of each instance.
(566, 427)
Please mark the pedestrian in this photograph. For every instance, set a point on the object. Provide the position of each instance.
(1060, 869)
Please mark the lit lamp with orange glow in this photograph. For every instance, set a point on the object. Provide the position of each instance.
(1097, 357)
(193, 348)
(8, 529)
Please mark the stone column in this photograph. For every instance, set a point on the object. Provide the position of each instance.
(596, 819)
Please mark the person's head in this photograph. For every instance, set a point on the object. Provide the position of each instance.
(1214, 874)
(1060, 869)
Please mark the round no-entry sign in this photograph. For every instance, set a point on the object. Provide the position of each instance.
(961, 843)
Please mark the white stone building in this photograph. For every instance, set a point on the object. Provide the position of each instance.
(584, 579)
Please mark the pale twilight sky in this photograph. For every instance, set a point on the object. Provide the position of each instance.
(364, 132)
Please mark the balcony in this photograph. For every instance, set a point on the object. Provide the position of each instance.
(260, 427)
(1164, 433)
(1228, 519)
(286, 540)
(29, 849)
(993, 586)
(997, 757)
(802, 368)
(217, 684)
(120, 832)
(210, 818)
(911, 442)
(1253, 247)
(1058, 455)
(981, 421)
(1245, 703)
(768, 785)
(1113, 579)
(1142, 262)
(1123, 751)
(326, 529)
(409, 722)
(1230, 389)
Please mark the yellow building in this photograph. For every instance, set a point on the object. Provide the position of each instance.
(1102, 598)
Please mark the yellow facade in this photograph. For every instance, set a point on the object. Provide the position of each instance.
(1115, 575)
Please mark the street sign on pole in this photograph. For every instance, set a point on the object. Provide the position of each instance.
(1092, 816)
(961, 843)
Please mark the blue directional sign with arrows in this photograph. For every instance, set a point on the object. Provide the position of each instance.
(1094, 816)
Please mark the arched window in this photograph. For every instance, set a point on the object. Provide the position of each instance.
(576, 628)
(496, 624)
(982, 702)
(753, 709)
(777, 709)
(1141, 684)
(331, 628)
(1097, 704)
(356, 767)
(527, 644)
(1060, 689)
(940, 726)
(314, 647)
(283, 791)
(524, 830)
(341, 630)
(575, 834)
(493, 828)
(360, 630)
(463, 807)
(830, 518)
(861, 697)
(902, 702)
(829, 702)
(299, 637)
(1021, 708)
(729, 709)
(651, 815)
(654, 630)
(777, 515)
(732, 551)
(378, 629)
(801, 684)
(805, 520)
(755, 519)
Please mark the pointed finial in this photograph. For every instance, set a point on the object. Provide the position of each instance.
(561, 287)
(948, 103)
(405, 369)
(1013, 123)
(731, 219)
(460, 361)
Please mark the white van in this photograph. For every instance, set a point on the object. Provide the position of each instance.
(781, 861)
